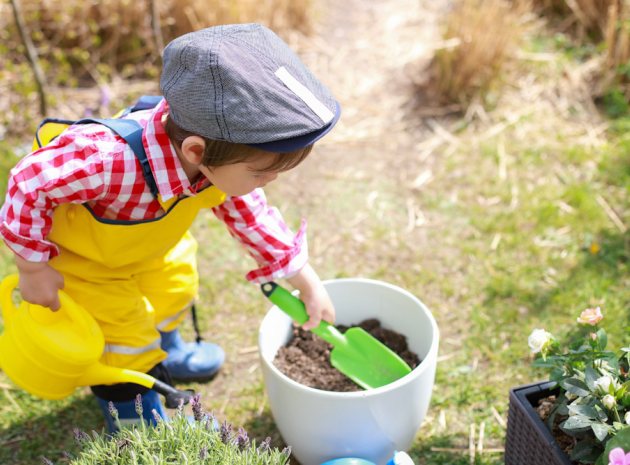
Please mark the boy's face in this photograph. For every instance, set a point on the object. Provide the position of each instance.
(241, 178)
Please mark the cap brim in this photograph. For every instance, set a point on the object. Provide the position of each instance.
(299, 142)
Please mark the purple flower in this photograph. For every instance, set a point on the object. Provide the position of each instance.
(242, 440)
(265, 445)
(112, 410)
(156, 416)
(106, 95)
(195, 402)
(138, 403)
(225, 432)
(80, 436)
(619, 457)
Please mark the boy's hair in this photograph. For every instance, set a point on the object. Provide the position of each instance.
(220, 153)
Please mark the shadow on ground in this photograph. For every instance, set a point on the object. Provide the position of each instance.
(48, 434)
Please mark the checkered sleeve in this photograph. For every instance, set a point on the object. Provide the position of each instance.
(68, 170)
(279, 252)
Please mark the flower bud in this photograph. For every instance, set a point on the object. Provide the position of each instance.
(609, 401)
(538, 340)
(604, 383)
(627, 418)
(570, 396)
(590, 316)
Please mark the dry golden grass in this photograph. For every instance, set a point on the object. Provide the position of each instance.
(479, 37)
(617, 37)
(120, 32)
(113, 43)
(598, 20)
(586, 17)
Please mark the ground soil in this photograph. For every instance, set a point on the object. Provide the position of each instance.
(306, 357)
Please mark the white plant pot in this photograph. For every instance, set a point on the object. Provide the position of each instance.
(373, 424)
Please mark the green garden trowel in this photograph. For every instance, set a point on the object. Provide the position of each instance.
(356, 354)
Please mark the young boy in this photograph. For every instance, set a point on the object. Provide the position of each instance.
(81, 215)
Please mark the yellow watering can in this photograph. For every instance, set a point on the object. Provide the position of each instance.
(49, 354)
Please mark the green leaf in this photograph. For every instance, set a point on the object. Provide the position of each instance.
(601, 413)
(583, 410)
(621, 439)
(549, 362)
(576, 422)
(590, 376)
(601, 430)
(586, 451)
(575, 386)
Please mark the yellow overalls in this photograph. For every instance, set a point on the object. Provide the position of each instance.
(134, 277)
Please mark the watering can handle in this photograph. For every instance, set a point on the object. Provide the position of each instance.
(6, 302)
(9, 283)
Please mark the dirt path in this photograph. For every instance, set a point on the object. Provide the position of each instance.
(361, 189)
(365, 189)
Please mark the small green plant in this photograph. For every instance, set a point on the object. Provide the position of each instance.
(615, 103)
(180, 440)
(594, 398)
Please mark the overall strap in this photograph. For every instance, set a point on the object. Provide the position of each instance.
(131, 131)
(146, 102)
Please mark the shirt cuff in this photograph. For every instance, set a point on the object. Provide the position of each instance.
(29, 249)
(287, 265)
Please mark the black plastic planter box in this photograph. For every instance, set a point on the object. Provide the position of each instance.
(528, 441)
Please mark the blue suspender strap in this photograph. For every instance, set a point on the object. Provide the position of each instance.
(131, 132)
(145, 102)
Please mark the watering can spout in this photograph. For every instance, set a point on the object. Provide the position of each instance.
(99, 373)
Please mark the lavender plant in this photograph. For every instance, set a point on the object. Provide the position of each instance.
(179, 440)
(594, 384)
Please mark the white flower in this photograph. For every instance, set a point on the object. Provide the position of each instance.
(627, 418)
(604, 383)
(609, 401)
(538, 339)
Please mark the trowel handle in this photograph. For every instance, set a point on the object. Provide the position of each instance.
(285, 301)
(296, 309)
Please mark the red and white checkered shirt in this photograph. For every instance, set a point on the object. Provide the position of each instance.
(88, 163)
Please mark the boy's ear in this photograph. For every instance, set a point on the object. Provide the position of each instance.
(192, 149)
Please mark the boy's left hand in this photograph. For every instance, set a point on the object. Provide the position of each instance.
(315, 297)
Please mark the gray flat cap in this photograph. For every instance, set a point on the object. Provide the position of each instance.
(242, 83)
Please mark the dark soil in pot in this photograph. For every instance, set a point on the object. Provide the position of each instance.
(306, 358)
(544, 409)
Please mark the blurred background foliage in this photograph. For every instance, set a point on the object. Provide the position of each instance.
(86, 43)
(83, 43)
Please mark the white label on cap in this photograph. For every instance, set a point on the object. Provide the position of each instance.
(305, 95)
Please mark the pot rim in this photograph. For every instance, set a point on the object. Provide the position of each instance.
(430, 357)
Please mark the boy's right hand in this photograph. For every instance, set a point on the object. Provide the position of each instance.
(39, 283)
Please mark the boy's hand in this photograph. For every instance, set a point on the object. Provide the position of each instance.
(315, 297)
(39, 283)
